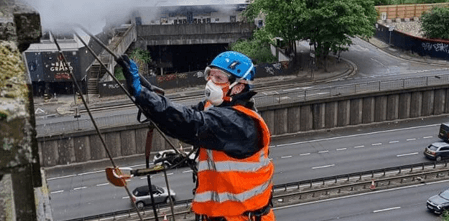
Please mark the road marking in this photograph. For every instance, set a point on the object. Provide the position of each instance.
(61, 177)
(304, 154)
(284, 157)
(359, 146)
(376, 144)
(59, 191)
(411, 139)
(187, 171)
(325, 166)
(102, 184)
(341, 149)
(407, 154)
(125, 197)
(323, 151)
(99, 171)
(80, 188)
(394, 141)
(387, 209)
(427, 137)
(355, 135)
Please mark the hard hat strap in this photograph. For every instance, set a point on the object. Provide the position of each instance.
(243, 77)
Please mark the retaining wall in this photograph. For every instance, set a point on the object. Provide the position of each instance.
(281, 119)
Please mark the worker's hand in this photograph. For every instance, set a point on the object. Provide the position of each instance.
(131, 73)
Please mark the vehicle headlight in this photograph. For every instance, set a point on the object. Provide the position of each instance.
(438, 207)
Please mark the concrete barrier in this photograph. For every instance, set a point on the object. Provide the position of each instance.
(282, 119)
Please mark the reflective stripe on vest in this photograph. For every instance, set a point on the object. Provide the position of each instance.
(222, 197)
(229, 186)
(226, 166)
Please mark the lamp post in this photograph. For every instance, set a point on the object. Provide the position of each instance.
(390, 29)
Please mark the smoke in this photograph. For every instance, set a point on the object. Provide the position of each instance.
(63, 15)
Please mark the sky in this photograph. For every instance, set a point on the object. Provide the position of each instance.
(62, 15)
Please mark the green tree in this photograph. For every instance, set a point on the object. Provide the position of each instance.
(281, 19)
(258, 50)
(435, 24)
(332, 24)
(328, 24)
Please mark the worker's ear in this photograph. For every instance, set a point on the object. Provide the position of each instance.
(237, 89)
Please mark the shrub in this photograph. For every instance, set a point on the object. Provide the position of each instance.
(435, 24)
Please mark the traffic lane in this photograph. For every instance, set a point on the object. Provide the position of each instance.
(104, 197)
(424, 133)
(329, 162)
(405, 203)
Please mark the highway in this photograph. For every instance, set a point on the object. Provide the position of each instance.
(405, 203)
(74, 195)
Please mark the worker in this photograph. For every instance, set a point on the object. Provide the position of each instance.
(234, 180)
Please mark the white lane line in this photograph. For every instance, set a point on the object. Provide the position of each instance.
(355, 135)
(126, 197)
(341, 149)
(80, 188)
(169, 174)
(427, 137)
(407, 154)
(376, 144)
(61, 177)
(285, 157)
(323, 151)
(187, 171)
(99, 171)
(325, 166)
(304, 154)
(394, 141)
(102, 184)
(411, 139)
(59, 191)
(359, 146)
(387, 209)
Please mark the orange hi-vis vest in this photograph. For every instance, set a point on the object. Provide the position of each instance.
(228, 186)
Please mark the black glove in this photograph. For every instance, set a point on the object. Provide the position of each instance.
(131, 73)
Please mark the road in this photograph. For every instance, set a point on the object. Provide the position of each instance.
(325, 154)
(405, 203)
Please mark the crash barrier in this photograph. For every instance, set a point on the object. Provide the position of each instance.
(435, 48)
(286, 113)
(405, 10)
(316, 189)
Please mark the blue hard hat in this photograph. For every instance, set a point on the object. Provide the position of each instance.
(236, 64)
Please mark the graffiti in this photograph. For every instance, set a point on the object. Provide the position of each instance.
(269, 70)
(441, 47)
(285, 64)
(60, 76)
(169, 77)
(277, 66)
(199, 74)
(182, 76)
(113, 86)
(437, 47)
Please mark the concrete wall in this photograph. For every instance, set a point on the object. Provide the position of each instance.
(281, 119)
(209, 33)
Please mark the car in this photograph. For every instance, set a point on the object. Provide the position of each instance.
(170, 158)
(141, 195)
(439, 203)
(444, 132)
(437, 151)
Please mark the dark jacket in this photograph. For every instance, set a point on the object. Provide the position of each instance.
(218, 128)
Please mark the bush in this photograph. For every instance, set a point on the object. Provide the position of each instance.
(259, 52)
(435, 24)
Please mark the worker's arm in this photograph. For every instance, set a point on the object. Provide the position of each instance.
(223, 129)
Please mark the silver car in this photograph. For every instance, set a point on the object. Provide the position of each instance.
(141, 195)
